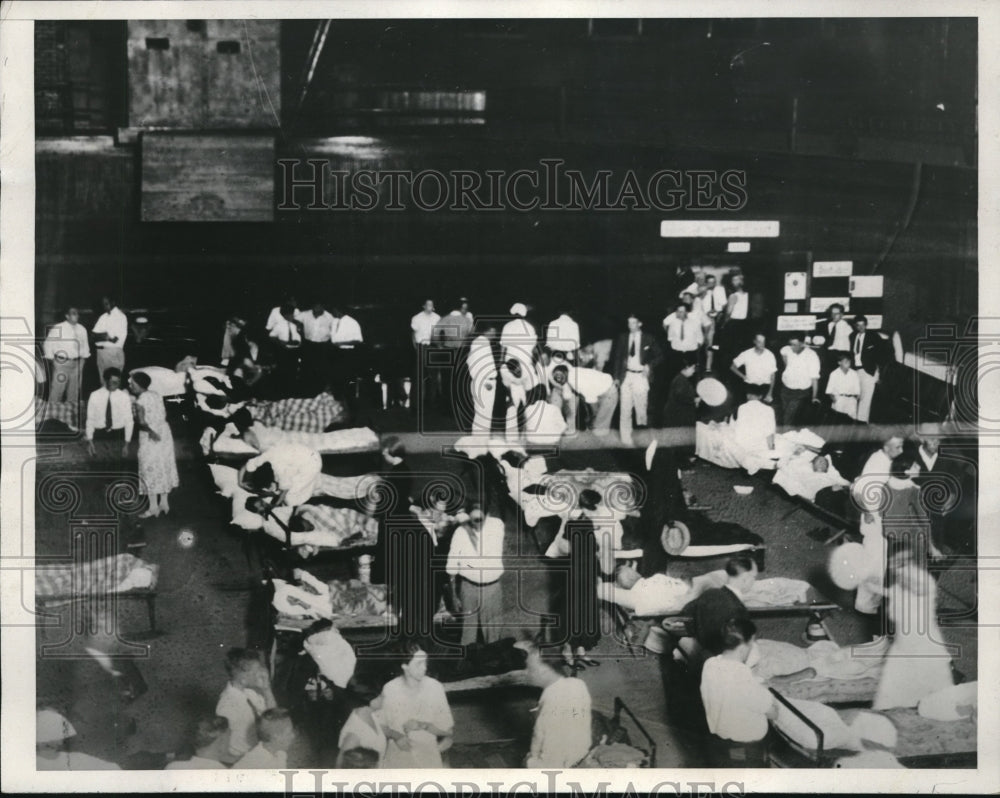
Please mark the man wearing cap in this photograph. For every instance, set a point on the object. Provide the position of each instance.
(66, 348)
(634, 356)
(52, 733)
(868, 353)
(110, 333)
(563, 336)
(518, 337)
(799, 380)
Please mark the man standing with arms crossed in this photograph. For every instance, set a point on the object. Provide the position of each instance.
(110, 333)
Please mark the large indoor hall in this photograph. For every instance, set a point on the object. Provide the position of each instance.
(534, 394)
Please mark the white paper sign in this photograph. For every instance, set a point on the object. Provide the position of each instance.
(789, 323)
(832, 268)
(874, 322)
(820, 304)
(706, 228)
(795, 285)
(868, 286)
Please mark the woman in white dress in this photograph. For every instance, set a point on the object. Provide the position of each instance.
(157, 464)
(416, 716)
(363, 727)
(917, 663)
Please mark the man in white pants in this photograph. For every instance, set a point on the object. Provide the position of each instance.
(868, 352)
(596, 388)
(634, 356)
(110, 333)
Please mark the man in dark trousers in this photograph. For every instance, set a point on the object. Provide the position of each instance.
(869, 352)
(634, 356)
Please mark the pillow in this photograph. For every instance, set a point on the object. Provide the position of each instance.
(226, 479)
(242, 517)
(836, 733)
(951, 703)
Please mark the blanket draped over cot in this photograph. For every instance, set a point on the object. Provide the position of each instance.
(116, 574)
(355, 439)
(67, 413)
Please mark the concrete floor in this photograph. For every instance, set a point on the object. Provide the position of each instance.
(209, 601)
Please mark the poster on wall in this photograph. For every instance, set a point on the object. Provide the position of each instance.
(795, 286)
(832, 268)
(820, 304)
(866, 286)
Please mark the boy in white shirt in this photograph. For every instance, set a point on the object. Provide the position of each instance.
(737, 706)
(844, 387)
(245, 698)
(276, 734)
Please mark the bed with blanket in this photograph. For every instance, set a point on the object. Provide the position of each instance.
(333, 521)
(344, 441)
(810, 734)
(122, 576)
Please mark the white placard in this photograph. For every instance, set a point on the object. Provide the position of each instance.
(705, 228)
(789, 323)
(866, 286)
(795, 285)
(820, 304)
(874, 322)
(832, 268)
(738, 246)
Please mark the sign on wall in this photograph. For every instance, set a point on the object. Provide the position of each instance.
(832, 268)
(795, 286)
(820, 304)
(866, 286)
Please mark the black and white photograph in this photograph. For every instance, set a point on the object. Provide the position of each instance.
(600, 397)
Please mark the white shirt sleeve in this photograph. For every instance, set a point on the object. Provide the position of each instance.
(126, 403)
(95, 405)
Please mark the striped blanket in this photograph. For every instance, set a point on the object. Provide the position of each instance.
(107, 575)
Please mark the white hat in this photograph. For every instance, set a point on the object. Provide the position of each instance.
(518, 309)
(51, 727)
(712, 392)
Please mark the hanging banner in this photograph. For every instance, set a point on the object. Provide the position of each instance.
(832, 268)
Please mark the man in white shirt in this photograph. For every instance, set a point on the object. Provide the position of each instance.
(837, 332)
(869, 487)
(562, 733)
(426, 375)
(799, 380)
(451, 331)
(286, 334)
(246, 697)
(475, 566)
(684, 330)
(563, 335)
(317, 324)
(66, 348)
(483, 373)
(843, 387)
(731, 325)
(110, 333)
(759, 368)
(276, 314)
(422, 324)
(596, 388)
(346, 339)
(294, 470)
(109, 417)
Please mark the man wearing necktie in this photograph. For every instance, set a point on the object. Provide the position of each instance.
(109, 417)
(633, 359)
(286, 334)
(868, 354)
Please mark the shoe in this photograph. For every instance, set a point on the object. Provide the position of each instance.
(148, 514)
(582, 659)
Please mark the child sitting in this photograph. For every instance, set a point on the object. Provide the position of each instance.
(244, 699)
(276, 734)
(737, 706)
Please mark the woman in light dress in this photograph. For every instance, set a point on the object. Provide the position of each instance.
(157, 464)
(363, 727)
(416, 716)
(918, 662)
